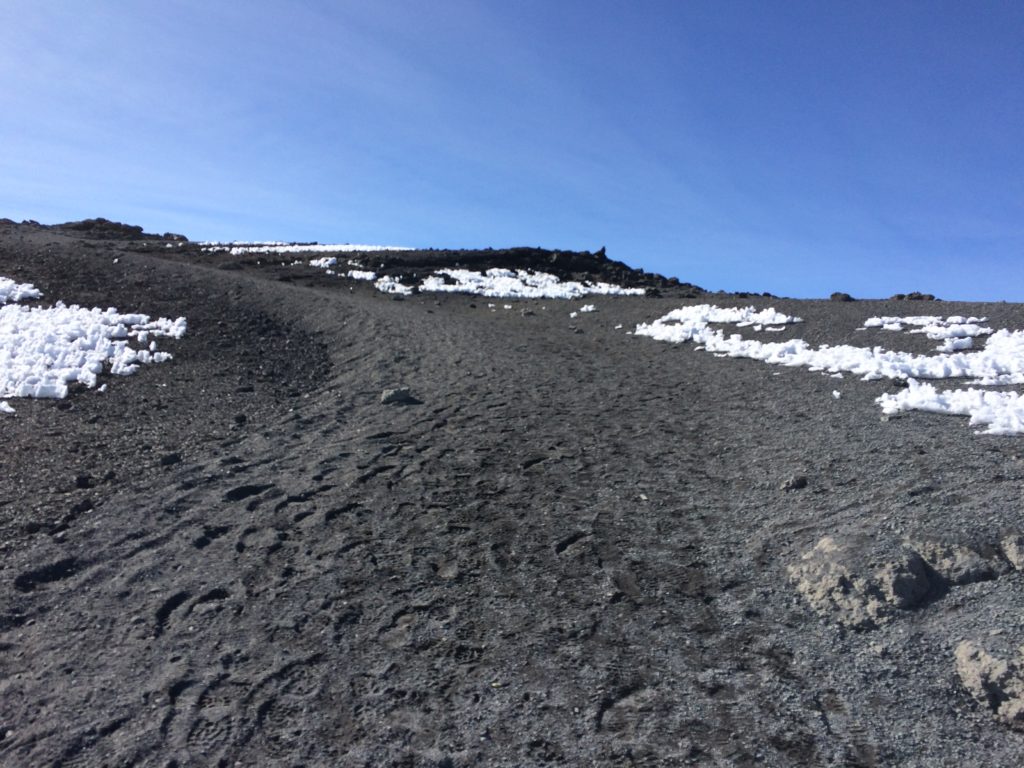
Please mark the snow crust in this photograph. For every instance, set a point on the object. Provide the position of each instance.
(44, 349)
(1000, 362)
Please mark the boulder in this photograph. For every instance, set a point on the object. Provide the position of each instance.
(859, 584)
(956, 563)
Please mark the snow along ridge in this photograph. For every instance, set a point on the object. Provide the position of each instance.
(494, 283)
(242, 248)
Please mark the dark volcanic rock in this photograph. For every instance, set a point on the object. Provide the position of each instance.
(567, 265)
(840, 296)
(913, 296)
(103, 229)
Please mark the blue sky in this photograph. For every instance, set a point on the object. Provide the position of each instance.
(798, 148)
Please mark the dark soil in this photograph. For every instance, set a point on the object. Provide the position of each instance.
(569, 548)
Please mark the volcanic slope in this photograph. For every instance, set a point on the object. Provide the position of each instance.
(571, 549)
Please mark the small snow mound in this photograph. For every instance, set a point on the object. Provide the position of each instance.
(14, 292)
(393, 285)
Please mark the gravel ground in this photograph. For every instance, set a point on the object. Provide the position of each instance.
(574, 548)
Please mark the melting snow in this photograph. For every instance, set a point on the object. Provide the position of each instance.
(1000, 362)
(43, 349)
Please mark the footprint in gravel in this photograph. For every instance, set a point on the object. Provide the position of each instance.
(245, 491)
(169, 606)
(215, 719)
(210, 734)
(210, 533)
(62, 569)
(280, 730)
(282, 706)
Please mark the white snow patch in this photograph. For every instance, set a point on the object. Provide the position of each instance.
(955, 331)
(588, 308)
(955, 345)
(238, 249)
(1000, 362)
(494, 283)
(836, 394)
(43, 349)
(1002, 413)
(12, 291)
(388, 284)
(518, 284)
(5, 407)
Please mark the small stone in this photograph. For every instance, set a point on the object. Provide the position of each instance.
(794, 483)
(169, 458)
(397, 396)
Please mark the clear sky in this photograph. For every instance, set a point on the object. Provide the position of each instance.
(798, 148)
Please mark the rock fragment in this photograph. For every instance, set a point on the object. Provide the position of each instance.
(858, 585)
(956, 563)
(397, 396)
(794, 483)
(1013, 549)
(995, 683)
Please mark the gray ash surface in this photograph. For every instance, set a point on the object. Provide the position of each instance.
(567, 546)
